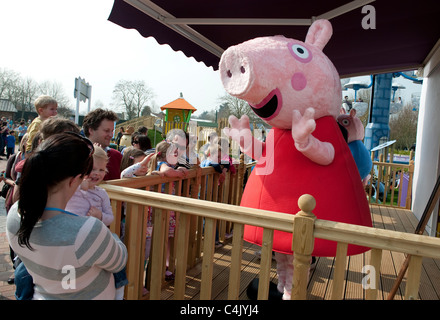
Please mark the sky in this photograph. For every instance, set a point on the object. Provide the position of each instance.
(61, 40)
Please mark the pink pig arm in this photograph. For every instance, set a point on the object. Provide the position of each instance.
(318, 151)
(241, 133)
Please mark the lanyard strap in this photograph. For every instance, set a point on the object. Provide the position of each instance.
(60, 210)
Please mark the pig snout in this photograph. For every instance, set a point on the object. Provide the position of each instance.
(236, 73)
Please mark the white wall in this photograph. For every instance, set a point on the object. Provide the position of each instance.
(427, 157)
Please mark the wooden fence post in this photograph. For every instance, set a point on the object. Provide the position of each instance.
(302, 245)
(241, 170)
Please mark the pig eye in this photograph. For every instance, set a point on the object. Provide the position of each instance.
(300, 52)
(345, 122)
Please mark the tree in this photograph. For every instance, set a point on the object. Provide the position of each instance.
(207, 115)
(403, 128)
(237, 107)
(98, 104)
(223, 111)
(132, 97)
(22, 92)
(26, 92)
(146, 111)
(8, 82)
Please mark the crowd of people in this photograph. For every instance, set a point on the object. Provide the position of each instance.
(58, 216)
(9, 130)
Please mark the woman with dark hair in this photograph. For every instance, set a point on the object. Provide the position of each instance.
(142, 142)
(68, 256)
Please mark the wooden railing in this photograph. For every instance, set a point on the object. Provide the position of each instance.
(391, 183)
(201, 183)
(196, 222)
(304, 225)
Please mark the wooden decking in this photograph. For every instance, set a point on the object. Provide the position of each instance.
(320, 283)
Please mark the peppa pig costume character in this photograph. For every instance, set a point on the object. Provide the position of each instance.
(295, 88)
(355, 132)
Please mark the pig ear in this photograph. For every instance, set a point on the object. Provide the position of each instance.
(319, 33)
(353, 112)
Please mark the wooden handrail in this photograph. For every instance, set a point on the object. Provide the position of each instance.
(378, 239)
(407, 243)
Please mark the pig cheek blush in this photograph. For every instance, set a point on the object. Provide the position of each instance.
(270, 106)
(299, 81)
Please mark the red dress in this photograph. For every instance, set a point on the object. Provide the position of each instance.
(337, 187)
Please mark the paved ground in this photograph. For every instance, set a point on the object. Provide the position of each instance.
(6, 270)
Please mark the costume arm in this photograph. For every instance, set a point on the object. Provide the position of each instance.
(240, 132)
(318, 151)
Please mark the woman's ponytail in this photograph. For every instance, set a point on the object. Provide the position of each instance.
(57, 158)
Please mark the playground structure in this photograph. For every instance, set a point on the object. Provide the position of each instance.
(177, 114)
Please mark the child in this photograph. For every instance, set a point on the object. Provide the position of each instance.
(218, 158)
(22, 129)
(214, 159)
(92, 200)
(10, 144)
(46, 107)
(164, 161)
(226, 158)
(134, 163)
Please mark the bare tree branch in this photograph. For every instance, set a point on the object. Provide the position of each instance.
(132, 97)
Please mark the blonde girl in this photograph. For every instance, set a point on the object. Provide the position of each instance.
(90, 199)
(165, 159)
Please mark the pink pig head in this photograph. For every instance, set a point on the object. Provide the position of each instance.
(277, 75)
(353, 124)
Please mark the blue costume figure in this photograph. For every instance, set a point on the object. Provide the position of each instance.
(355, 131)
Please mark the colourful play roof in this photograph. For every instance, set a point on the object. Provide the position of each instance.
(179, 103)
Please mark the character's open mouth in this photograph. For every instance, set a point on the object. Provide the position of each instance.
(270, 106)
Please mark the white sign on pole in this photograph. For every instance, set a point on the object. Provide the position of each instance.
(82, 92)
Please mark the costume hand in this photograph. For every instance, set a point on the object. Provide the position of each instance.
(239, 131)
(303, 126)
